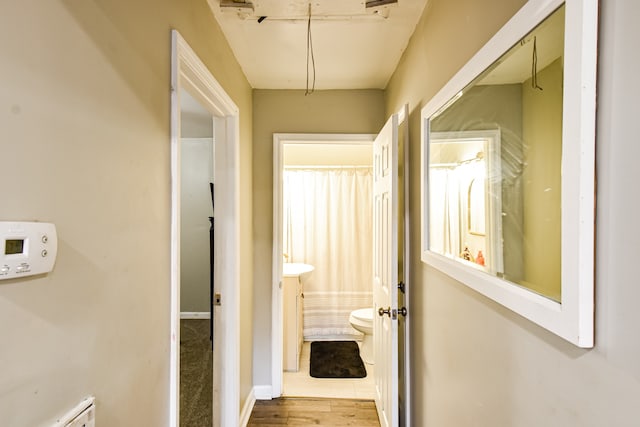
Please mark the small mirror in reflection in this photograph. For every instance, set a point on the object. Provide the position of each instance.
(476, 215)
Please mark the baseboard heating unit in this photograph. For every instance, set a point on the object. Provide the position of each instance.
(83, 415)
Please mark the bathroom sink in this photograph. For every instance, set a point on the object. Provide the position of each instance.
(296, 269)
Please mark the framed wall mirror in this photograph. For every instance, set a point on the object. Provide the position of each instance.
(508, 168)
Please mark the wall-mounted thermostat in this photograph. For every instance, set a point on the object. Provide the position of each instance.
(27, 248)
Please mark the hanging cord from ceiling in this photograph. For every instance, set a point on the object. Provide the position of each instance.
(534, 67)
(310, 55)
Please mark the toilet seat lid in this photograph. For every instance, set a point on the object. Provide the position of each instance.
(363, 314)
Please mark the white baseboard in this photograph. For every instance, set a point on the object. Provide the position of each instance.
(263, 392)
(245, 414)
(195, 315)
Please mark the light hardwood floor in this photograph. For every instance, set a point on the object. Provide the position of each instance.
(288, 411)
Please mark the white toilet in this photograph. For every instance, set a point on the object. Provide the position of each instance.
(362, 320)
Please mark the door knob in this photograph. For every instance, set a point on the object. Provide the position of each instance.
(382, 311)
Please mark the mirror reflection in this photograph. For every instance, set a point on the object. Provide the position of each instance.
(495, 166)
(476, 215)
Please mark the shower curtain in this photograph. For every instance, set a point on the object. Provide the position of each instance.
(327, 223)
(448, 206)
(445, 225)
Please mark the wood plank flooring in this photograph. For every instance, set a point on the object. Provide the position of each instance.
(289, 411)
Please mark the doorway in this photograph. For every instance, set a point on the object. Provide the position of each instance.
(391, 161)
(190, 75)
(197, 130)
(309, 157)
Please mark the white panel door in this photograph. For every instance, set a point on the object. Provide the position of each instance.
(385, 274)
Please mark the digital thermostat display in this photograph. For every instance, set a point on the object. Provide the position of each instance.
(13, 246)
(30, 248)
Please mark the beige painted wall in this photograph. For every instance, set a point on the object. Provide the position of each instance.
(196, 172)
(289, 111)
(85, 119)
(475, 363)
(328, 154)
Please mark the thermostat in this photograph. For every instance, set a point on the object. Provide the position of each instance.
(27, 248)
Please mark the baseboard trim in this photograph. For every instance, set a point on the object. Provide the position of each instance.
(195, 315)
(263, 392)
(245, 414)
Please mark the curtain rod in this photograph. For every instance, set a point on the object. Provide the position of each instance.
(478, 157)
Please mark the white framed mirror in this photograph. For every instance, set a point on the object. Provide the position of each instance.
(508, 176)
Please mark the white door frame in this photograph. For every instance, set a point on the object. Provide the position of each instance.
(188, 72)
(403, 140)
(279, 140)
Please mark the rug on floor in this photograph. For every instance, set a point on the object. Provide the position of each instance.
(336, 359)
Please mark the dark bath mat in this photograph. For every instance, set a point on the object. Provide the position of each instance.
(336, 359)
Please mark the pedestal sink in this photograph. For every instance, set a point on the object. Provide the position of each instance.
(296, 269)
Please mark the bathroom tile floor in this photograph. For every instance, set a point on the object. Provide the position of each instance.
(301, 384)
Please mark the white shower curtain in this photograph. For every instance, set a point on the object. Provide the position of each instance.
(444, 201)
(449, 188)
(327, 223)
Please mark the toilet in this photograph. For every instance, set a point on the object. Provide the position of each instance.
(362, 320)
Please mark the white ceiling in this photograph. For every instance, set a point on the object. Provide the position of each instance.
(354, 47)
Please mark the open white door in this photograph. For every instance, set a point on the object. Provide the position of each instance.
(385, 271)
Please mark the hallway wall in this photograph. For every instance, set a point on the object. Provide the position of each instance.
(84, 109)
(290, 111)
(196, 172)
(475, 363)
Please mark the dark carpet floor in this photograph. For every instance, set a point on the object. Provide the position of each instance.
(196, 373)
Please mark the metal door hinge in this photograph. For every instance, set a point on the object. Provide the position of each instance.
(401, 286)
